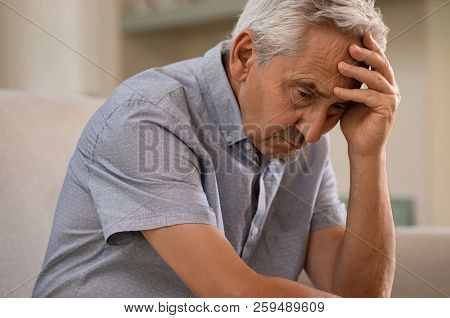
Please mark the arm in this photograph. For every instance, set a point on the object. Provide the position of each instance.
(207, 263)
(323, 247)
(365, 261)
(362, 262)
(357, 260)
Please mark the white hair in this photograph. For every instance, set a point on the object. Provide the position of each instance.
(278, 25)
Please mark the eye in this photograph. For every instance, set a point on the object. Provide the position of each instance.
(337, 109)
(304, 95)
(340, 107)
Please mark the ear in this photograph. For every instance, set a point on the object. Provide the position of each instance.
(242, 56)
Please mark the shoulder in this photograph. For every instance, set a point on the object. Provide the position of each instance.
(154, 98)
(158, 95)
(155, 84)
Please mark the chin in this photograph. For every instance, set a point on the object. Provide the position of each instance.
(281, 150)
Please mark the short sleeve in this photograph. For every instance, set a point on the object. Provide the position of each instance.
(329, 211)
(144, 177)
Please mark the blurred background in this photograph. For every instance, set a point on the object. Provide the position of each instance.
(57, 48)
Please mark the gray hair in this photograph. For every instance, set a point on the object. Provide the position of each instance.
(278, 25)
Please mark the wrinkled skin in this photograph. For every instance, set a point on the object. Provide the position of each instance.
(292, 101)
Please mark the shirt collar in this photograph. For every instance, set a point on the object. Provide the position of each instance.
(222, 99)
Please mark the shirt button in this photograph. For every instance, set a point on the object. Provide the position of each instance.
(255, 231)
(229, 139)
(248, 146)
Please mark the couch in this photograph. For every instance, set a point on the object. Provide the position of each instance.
(38, 134)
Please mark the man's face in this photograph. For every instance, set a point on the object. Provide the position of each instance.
(289, 101)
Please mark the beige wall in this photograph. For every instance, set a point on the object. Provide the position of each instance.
(2, 49)
(438, 44)
(146, 50)
(100, 25)
(36, 60)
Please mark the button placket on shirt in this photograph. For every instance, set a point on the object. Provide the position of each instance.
(260, 216)
(265, 178)
(269, 181)
(257, 223)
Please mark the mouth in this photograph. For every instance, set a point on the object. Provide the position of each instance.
(297, 145)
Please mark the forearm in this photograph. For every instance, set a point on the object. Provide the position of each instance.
(365, 263)
(278, 287)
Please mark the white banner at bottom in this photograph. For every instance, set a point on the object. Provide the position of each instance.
(213, 307)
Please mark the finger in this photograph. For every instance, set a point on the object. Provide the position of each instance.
(370, 43)
(373, 99)
(373, 79)
(373, 59)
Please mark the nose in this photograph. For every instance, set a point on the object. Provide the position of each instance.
(312, 129)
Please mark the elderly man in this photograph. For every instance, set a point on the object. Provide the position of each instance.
(212, 177)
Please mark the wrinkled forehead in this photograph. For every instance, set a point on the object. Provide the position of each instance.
(319, 54)
(328, 41)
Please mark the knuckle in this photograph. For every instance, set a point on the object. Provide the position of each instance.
(387, 65)
(394, 102)
(398, 95)
(387, 113)
(389, 110)
(398, 99)
(389, 68)
(380, 60)
(370, 95)
(348, 69)
(366, 55)
(380, 78)
(392, 110)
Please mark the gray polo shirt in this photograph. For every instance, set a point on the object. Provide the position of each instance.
(167, 148)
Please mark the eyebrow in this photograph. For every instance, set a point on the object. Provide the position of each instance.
(310, 85)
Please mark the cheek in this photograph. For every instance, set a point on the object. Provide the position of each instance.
(250, 103)
(280, 122)
(281, 111)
